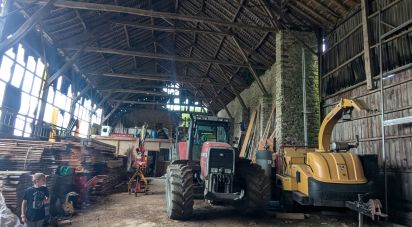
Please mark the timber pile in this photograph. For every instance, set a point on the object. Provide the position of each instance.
(87, 156)
(96, 154)
(33, 156)
(114, 175)
(12, 186)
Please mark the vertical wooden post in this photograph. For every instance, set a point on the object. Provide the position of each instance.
(366, 44)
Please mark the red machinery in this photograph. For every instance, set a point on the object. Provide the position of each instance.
(208, 168)
(139, 164)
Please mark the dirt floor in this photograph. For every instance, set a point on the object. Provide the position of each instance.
(123, 210)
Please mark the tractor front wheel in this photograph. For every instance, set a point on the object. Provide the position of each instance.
(256, 185)
(179, 191)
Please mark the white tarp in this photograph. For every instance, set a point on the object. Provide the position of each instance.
(7, 218)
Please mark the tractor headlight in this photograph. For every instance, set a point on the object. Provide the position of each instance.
(214, 170)
(228, 171)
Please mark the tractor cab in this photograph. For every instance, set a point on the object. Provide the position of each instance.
(206, 129)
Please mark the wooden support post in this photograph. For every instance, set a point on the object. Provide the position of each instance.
(366, 44)
(252, 71)
(26, 27)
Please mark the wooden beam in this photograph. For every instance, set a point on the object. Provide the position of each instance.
(3, 16)
(168, 29)
(155, 77)
(126, 34)
(69, 63)
(160, 56)
(252, 71)
(324, 20)
(135, 91)
(82, 92)
(340, 5)
(149, 13)
(102, 101)
(305, 15)
(325, 8)
(114, 109)
(366, 45)
(26, 26)
(138, 102)
(273, 19)
(235, 92)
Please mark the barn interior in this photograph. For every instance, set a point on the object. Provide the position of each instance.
(107, 98)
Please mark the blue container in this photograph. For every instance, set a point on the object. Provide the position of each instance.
(154, 134)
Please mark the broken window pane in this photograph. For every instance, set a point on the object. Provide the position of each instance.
(40, 68)
(20, 55)
(25, 103)
(31, 64)
(2, 89)
(5, 70)
(28, 81)
(17, 76)
(11, 53)
(36, 86)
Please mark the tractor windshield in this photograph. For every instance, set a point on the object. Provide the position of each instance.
(207, 131)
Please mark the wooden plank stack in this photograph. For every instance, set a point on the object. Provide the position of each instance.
(12, 186)
(21, 158)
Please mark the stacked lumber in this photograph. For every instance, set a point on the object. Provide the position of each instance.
(12, 186)
(109, 182)
(21, 158)
(33, 156)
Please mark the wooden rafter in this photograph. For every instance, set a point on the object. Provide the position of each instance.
(312, 12)
(251, 69)
(151, 77)
(148, 13)
(161, 56)
(168, 29)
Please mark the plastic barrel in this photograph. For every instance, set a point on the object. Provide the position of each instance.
(264, 160)
(154, 134)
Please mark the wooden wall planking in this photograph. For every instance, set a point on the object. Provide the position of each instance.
(367, 124)
(343, 63)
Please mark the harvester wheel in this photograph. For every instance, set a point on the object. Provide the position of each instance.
(179, 191)
(257, 188)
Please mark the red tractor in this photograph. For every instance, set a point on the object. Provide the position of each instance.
(207, 167)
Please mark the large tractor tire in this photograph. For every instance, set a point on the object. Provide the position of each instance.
(179, 191)
(256, 185)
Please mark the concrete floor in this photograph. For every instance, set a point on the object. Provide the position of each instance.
(123, 210)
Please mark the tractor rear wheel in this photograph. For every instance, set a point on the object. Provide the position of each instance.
(179, 191)
(252, 179)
